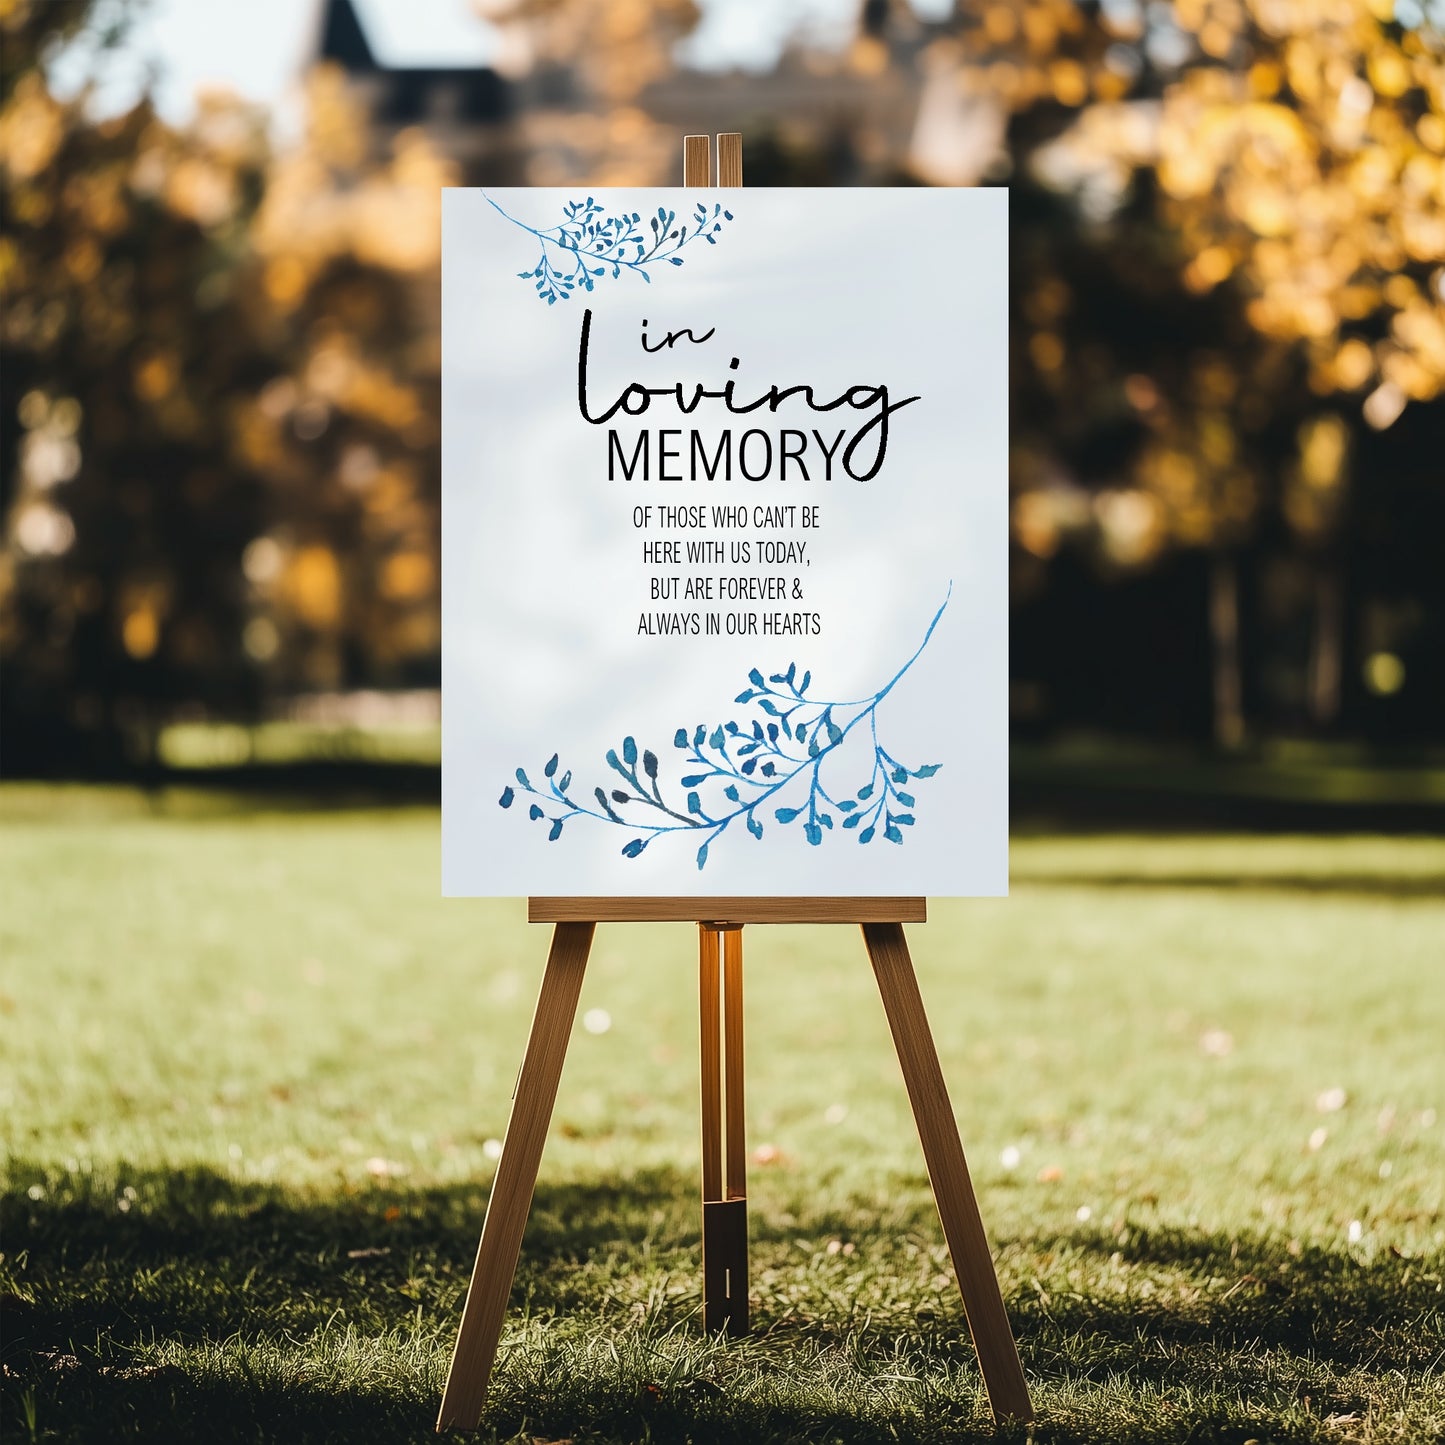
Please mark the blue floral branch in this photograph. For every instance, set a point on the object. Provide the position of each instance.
(738, 770)
(589, 243)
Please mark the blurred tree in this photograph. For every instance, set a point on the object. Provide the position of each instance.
(1229, 215)
(1295, 144)
(220, 459)
(218, 381)
(120, 346)
(343, 585)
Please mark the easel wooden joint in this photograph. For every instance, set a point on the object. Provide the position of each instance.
(721, 922)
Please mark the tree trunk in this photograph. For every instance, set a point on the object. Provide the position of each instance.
(1326, 648)
(1224, 643)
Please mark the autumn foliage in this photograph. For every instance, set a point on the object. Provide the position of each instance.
(219, 454)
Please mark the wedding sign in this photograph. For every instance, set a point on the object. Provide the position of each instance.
(724, 542)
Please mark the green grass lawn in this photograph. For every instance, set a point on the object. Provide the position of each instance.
(254, 1069)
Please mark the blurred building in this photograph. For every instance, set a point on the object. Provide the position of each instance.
(465, 110)
(571, 95)
(890, 106)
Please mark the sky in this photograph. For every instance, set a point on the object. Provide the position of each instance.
(258, 47)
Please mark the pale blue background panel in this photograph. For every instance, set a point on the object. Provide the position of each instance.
(736, 702)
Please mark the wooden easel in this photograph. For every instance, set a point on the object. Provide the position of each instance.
(724, 1150)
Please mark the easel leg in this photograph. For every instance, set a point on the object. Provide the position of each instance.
(516, 1177)
(998, 1358)
(724, 1154)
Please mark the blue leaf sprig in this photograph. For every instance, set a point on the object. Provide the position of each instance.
(588, 243)
(740, 772)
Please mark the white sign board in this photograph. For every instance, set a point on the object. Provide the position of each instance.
(724, 542)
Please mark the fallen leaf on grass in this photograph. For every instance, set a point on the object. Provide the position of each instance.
(58, 1363)
(1216, 1043)
(141, 1372)
(1238, 1285)
(696, 1386)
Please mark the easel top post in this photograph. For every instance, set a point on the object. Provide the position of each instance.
(696, 160)
(730, 159)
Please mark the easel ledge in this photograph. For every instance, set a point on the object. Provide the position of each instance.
(727, 910)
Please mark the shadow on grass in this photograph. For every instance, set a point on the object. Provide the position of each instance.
(1249, 1293)
(219, 1309)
